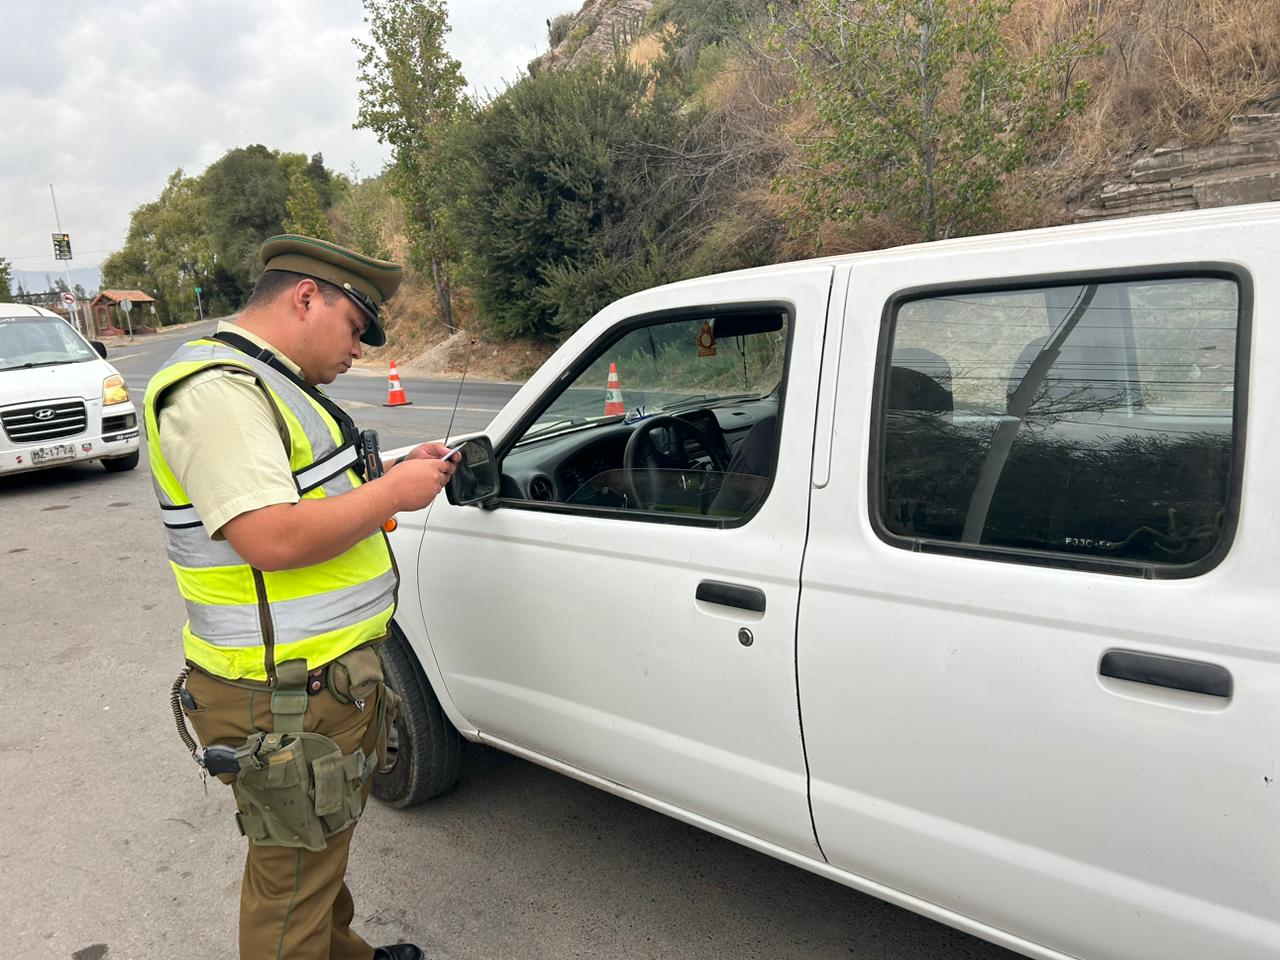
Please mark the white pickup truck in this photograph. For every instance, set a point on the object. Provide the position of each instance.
(949, 572)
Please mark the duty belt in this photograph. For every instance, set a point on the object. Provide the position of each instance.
(317, 679)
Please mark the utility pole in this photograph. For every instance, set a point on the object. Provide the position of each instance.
(74, 309)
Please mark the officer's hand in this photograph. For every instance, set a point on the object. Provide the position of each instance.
(429, 451)
(418, 480)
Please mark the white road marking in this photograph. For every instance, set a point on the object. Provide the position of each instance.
(420, 406)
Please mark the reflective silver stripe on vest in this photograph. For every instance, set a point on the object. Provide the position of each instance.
(237, 625)
(192, 547)
(326, 469)
(339, 484)
(179, 516)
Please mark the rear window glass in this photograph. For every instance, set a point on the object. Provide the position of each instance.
(1089, 421)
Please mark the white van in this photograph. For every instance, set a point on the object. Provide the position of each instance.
(60, 401)
(950, 572)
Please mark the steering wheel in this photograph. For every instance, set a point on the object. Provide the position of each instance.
(660, 459)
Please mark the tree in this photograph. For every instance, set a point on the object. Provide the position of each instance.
(6, 279)
(411, 95)
(365, 216)
(922, 108)
(560, 203)
(304, 210)
(247, 191)
(168, 248)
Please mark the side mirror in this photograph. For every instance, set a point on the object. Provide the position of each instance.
(476, 478)
(100, 347)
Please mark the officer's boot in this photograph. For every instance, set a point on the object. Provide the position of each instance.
(399, 951)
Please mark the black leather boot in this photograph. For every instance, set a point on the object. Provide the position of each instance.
(399, 951)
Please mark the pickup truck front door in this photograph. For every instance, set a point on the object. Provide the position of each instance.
(655, 652)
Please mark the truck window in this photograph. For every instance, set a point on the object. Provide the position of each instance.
(675, 419)
(1085, 425)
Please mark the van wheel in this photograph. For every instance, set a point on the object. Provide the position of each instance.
(424, 757)
(118, 464)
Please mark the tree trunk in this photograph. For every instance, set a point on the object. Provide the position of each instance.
(444, 298)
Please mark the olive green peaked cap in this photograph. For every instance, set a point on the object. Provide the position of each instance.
(368, 282)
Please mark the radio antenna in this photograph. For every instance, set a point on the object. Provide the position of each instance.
(466, 365)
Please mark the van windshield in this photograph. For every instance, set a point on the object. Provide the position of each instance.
(40, 342)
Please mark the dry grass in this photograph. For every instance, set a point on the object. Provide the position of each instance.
(645, 50)
(1171, 70)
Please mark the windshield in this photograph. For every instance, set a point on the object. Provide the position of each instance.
(39, 342)
(673, 366)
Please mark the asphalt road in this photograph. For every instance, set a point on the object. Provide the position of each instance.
(111, 849)
(361, 392)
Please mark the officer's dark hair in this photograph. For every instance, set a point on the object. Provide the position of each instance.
(275, 282)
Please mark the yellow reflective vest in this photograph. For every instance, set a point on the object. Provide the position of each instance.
(243, 621)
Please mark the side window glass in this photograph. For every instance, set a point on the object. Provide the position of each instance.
(1085, 421)
(676, 418)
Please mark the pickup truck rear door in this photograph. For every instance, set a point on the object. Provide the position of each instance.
(1028, 738)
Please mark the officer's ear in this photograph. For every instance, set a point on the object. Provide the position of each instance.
(305, 292)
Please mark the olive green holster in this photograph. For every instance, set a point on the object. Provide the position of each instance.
(295, 788)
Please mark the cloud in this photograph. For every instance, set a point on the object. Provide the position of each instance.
(104, 101)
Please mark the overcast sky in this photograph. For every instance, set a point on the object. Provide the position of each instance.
(105, 100)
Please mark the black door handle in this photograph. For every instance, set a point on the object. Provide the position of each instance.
(731, 595)
(1194, 676)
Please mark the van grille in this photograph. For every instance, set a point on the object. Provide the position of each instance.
(34, 425)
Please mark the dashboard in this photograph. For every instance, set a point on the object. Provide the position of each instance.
(557, 467)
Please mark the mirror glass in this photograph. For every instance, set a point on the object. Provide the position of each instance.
(476, 478)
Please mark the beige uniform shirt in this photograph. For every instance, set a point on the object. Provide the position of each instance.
(221, 437)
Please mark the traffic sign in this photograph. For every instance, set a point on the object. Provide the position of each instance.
(126, 305)
(62, 246)
(68, 298)
(198, 290)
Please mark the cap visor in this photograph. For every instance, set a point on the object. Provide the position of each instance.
(373, 334)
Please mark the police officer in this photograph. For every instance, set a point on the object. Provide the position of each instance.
(275, 538)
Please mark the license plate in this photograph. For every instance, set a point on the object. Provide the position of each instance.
(59, 451)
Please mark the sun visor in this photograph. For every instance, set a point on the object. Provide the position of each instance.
(746, 324)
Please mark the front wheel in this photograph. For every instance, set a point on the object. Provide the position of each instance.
(424, 756)
(117, 464)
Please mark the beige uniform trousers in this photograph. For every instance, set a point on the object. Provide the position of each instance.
(294, 904)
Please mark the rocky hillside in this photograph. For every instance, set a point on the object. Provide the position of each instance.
(1242, 167)
(594, 32)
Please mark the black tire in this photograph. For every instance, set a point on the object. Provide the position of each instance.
(426, 758)
(119, 464)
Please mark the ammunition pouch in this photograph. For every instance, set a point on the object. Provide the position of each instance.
(355, 675)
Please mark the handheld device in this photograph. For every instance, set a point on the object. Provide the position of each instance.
(373, 465)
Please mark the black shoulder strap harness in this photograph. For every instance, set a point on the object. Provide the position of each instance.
(350, 433)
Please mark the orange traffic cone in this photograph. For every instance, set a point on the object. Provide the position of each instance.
(613, 405)
(395, 392)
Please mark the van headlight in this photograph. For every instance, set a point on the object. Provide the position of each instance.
(114, 390)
